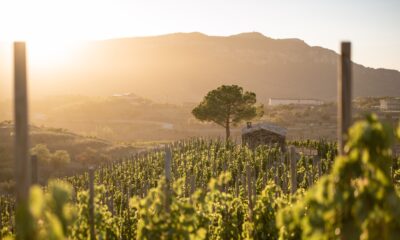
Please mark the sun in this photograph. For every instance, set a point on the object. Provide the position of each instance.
(43, 53)
(51, 29)
(64, 20)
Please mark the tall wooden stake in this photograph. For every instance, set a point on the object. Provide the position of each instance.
(1, 225)
(168, 160)
(22, 163)
(91, 203)
(249, 192)
(344, 95)
(293, 169)
(34, 161)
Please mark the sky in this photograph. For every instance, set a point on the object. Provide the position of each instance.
(371, 25)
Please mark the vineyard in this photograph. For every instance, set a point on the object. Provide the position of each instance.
(208, 189)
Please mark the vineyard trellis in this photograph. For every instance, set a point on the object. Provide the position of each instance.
(193, 189)
(193, 164)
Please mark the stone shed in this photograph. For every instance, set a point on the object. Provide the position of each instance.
(263, 134)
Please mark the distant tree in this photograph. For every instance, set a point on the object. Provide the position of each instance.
(89, 156)
(228, 105)
(42, 152)
(60, 158)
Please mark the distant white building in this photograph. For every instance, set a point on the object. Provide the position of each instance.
(127, 96)
(285, 101)
(391, 104)
(131, 97)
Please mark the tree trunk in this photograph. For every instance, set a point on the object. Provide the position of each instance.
(228, 131)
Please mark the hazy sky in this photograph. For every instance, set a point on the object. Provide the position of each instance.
(372, 25)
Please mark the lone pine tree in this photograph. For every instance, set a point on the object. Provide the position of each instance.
(228, 105)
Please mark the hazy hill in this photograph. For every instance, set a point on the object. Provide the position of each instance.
(83, 151)
(182, 67)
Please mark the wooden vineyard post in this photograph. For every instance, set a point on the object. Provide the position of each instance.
(128, 194)
(106, 200)
(1, 226)
(168, 159)
(389, 119)
(249, 192)
(319, 167)
(237, 185)
(146, 188)
(310, 172)
(314, 169)
(187, 188)
(254, 188)
(22, 163)
(192, 184)
(276, 175)
(284, 186)
(34, 161)
(214, 165)
(293, 168)
(112, 204)
(101, 176)
(243, 182)
(264, 179)
(344, 95)
(11, 221)
(91, 203)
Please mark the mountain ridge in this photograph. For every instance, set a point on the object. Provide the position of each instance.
(244, 35)
(183, 67)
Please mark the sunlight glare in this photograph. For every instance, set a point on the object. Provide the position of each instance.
(48, 20)
(52, 29)
(48, 53)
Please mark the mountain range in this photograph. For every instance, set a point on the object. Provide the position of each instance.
(183, 67)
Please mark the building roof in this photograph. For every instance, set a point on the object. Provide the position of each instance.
(265, 126)
(131, 95)
(297, 99)
(390, 100)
